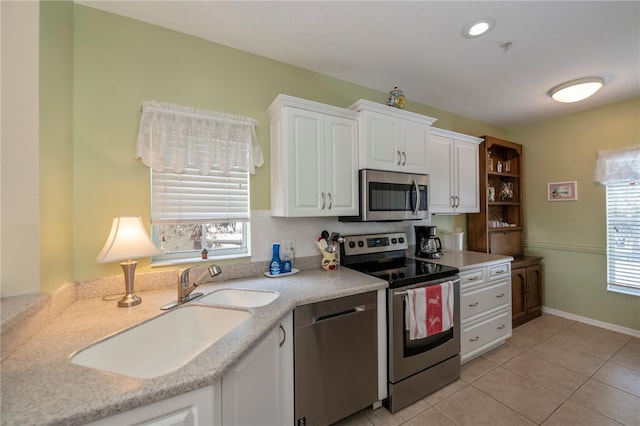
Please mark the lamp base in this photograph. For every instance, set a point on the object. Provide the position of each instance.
(129, 300)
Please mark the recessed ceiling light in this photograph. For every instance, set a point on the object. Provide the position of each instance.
(576, 90)
(478, 27)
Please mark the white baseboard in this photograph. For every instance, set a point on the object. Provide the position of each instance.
(601, 324)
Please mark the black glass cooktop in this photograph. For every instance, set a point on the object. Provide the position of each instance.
(405, 271)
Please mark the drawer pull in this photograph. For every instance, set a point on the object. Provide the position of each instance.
(500, 295)
(475, 339)
(501, 271)
(473, 278)
(471, 305)
(500, 327)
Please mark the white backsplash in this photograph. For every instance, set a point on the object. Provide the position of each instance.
(266, 230)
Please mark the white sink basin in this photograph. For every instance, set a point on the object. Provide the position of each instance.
(239, 297)
(163, 344)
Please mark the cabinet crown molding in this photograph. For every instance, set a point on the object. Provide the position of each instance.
(455, 135)
(290, 101)
(365, 105)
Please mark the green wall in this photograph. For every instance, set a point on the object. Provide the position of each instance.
(56, 144)
(571, 235)
(119, 62)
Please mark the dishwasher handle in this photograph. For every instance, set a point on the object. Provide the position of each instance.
(321, 318)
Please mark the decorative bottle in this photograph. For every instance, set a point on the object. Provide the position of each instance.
(275, 266)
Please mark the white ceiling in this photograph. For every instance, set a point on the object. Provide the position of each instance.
(417, 45)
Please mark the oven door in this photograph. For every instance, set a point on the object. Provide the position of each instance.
(393, 196)
(407, 357)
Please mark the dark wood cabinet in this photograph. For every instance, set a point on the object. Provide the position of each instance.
(499, 227)
(526, 289)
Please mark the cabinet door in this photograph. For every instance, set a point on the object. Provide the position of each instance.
(285, 388)
(441, 179)
(534, 288)
(250, 394)
(466, 169)
(198, 407)
(341, 166)
(518, 293)
(306, 153)
(380, 148)
(414, 138)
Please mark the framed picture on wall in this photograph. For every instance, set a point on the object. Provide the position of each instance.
(562, 191)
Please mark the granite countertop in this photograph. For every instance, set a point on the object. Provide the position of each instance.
(464, 260)
(41, 386)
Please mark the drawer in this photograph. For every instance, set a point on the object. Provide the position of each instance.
(485, 298)
(473, 277)
(486, 332)
(498, 271)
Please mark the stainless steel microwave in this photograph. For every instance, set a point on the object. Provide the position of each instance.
(391, 196)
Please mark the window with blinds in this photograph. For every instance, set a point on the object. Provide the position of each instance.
(192, 213)
(623, 238)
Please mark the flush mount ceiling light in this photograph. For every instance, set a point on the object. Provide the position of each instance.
(478, 27)
(576, 90)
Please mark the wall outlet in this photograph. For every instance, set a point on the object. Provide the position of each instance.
(288, 247)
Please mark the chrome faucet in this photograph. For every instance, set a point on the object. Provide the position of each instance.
(186, 286)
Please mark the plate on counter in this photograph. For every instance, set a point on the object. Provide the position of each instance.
(285, 274)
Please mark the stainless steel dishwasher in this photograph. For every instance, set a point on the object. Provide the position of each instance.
(336, 370)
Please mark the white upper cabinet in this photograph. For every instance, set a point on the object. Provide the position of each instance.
(453, 172)
(392, 139)
(314, 159)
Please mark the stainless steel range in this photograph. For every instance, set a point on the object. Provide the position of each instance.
(416, 367)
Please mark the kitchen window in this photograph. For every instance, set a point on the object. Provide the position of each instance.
(200, 165)
(191, 212)
(623, 238)
(619, 171)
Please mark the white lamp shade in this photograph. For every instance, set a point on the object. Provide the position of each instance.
(127, 240)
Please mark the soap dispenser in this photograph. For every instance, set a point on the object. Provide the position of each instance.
(275, 266)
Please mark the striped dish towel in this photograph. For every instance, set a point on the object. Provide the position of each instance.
(429, 310)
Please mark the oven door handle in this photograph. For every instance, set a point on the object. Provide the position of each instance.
(401, 292)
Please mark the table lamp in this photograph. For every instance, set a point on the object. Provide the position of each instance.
(127, 240)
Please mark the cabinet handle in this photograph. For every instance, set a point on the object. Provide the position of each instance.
(501, 271)
(399, 158)
(471, 305)
(501, 327)
(500, 295)
(457, 201)
(284, 335)
(475, 339)
(453, 201)
(473, 278)
(330, 200)
(404, 156)
(324, 200)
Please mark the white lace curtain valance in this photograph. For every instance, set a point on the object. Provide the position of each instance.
(618, 166)
(176, 137)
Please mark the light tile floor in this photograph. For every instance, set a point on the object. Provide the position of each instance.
(552, 372)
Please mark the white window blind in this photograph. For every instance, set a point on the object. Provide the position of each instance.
(191, 197)
(623, 237)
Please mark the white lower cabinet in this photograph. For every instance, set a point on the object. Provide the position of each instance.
(485, 309)
(198, 407)
(256, 391)
(259, 389)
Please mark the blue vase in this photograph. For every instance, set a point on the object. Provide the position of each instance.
(275, 267)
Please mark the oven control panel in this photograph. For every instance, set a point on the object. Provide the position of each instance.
(374, 243)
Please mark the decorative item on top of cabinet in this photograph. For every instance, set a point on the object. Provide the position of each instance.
(392, 139)
(526, 289)
(314, 159)
(498, 227)
(453, 172)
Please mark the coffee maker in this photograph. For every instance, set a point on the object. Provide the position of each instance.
(427, 244)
